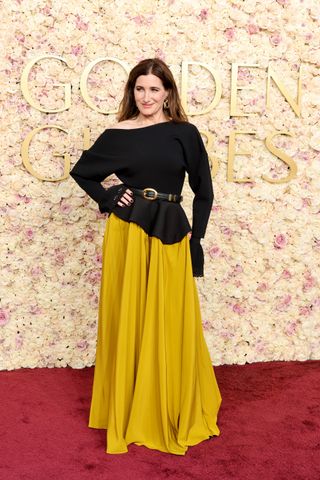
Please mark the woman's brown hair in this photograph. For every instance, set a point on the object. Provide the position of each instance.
(128, 108)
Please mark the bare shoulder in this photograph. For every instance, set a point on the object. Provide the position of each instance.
(125, 124)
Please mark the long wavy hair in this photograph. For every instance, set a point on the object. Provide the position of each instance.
(156, 66)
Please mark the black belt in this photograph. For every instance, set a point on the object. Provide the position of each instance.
(152, 194)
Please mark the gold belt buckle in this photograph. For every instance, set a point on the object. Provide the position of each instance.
(152, 190)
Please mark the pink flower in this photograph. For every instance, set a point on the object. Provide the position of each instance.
(259, 346)
(308, 37)
(214, 251)
(143, 20)
(284, 3)
(35, 309)
(306, 202)
(305, 311)
(23, 108)
(310, 282)
(204, 14)
(262, 287)
(138, 19)
(29, 233)
(316, 302)
(93, 277)
(58, 257)
(36, 271)
(305, 156)
(244, 74)
(291, 328)
(206, 325)
(94, 300)
(88, 236)
(237, 308)
(317, 243)
(4, 317)
(18, 341)
(23, 198)
(229, 33)
(286, 274)
(226, 334)
(65, 207)
(77, 50)
(98, 258)
(284, 303)
(20, 37)
(82, 345)
(80, 24)
(252, 28)
(237, 269)
(160, 54)
(227, 231)
(280, 241)
(275, 39)
(45, 10)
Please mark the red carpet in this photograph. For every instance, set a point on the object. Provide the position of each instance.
(269, 421)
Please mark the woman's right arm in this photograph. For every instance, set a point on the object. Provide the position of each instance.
(94, 165)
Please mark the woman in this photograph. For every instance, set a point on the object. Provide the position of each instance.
(153, 381)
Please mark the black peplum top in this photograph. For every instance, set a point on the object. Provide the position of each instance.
(156, 156)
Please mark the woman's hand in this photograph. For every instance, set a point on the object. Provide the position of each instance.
(126, 199)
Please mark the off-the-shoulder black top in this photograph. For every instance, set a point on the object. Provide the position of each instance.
(156, 156)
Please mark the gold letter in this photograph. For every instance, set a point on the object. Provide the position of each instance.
(27, 95)
(184, 87)
(283, 156)
(296, 106)
(231, 155)
(84, 78)
(86, 138)
(25, 155)
(234, 87)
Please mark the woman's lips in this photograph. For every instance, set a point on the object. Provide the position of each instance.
(146, 106)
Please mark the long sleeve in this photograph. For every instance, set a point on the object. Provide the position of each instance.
(94, 165)
(201, 184)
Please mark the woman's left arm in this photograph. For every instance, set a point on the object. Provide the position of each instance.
(201, 184)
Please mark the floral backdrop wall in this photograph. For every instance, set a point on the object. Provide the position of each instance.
(260, 296)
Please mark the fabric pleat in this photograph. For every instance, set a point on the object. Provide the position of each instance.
(154, 384)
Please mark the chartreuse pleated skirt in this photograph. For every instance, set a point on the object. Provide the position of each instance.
(154, 384)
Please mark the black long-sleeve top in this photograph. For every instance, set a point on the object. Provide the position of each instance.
(156, 156)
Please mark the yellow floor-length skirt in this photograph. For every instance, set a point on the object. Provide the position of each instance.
(154, 384)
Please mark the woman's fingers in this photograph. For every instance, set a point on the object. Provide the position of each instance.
(126, 199)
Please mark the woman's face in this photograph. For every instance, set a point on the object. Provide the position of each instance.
(149, 94)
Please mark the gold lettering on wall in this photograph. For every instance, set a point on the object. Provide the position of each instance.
(184, 87)
(283, 156)
(25, 155)
(232, 153)
(295, 105)
(84, 79)
(234, 89)
(27, 94)
(86, 138)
